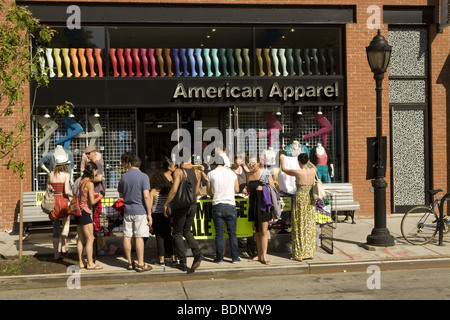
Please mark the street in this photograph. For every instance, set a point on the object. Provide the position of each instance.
(372, 285)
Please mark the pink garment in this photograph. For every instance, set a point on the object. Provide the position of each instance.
(326, 127)
(322, 159)
(274, 128)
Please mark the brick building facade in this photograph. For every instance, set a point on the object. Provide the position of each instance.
(354, 116)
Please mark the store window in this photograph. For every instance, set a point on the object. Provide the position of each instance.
(113, 132)
(303, 129)
(137, 51)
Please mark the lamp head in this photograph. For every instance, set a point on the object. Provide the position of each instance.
(378, 54)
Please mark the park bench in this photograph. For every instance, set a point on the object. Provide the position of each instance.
(341, 200)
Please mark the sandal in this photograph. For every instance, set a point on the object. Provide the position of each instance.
(131, 266)
(96, 267)
(142, 268)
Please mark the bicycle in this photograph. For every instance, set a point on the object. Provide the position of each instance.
(420, 224)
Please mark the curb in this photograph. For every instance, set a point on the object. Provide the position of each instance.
(104, 278)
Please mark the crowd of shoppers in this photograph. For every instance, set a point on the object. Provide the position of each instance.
(148, 207)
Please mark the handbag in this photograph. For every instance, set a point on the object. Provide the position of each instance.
(74, 206)
(318, 192)
(185, 195)
(119, 205)
(48, 203)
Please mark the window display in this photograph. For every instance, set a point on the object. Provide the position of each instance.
(194, 52)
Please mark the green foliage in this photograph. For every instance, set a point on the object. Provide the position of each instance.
(18, 66)
(65, 109)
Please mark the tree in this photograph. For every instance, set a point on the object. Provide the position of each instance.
(18, 66)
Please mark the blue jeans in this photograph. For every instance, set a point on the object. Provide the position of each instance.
(225, 214)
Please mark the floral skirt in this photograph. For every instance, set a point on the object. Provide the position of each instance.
(303, 232)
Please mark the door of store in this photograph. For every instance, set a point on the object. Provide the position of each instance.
(157, 126)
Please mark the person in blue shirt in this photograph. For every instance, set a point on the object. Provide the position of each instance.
(134, 188)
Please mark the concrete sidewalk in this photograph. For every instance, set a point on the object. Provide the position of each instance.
(349, 254)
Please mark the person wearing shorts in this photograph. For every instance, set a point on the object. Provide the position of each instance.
(134, 188)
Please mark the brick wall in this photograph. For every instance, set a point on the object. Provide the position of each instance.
(9, 182)
(360, 105)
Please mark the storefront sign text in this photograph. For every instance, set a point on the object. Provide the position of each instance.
(229, 92)
(203, 226)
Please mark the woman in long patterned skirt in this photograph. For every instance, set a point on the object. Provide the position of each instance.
(303, 231)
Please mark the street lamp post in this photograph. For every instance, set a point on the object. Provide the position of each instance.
(378, 55)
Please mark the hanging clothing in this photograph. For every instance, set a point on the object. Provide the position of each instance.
(276, 202)
(286, 183)
(255, 213)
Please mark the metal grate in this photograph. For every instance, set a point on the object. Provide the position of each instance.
(113, 133)
(295, 127)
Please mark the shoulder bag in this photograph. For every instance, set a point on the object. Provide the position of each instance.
(48, 203)
(185, 196)
(75, 205)
(318, 192)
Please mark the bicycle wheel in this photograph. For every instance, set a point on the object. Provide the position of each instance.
(419, 225)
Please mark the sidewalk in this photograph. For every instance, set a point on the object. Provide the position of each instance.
(349, 255)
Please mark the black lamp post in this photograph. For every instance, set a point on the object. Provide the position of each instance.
(378, 55)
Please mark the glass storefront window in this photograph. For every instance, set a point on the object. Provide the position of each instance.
(113, 132)
(304, 51)
(208, 51)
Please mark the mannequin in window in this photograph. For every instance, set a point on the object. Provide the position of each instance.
(274, 53)
(137, 62)
(121, 62)
(129, 62)
(190, 52)
(168, 62)
(73, 128)
(298, 58)
(176, 61)
(207, 59)
(65, 52)
(144, 60)
(259, 59)
(152, 60)
(298, 125)
(307, 62)
(266, 53)
(112, 54)
(98, 58)
(90, 59)
(49, 126)
(73, 55)
(245, 54)
(82, 59)
(325, 169)
(231, 60)
(237, 53)
(48, 54)
(184, 62)
(295, 148)
(215, 60)
(325, 128)
(56, 54)
(47, 162)
(160, 60)
(282, 56)
(273, 132)
(94, 135)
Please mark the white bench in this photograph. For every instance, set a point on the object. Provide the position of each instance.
(341, 199)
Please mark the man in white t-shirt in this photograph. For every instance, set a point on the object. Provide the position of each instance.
(222, 186)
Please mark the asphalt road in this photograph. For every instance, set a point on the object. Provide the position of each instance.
(373, 285)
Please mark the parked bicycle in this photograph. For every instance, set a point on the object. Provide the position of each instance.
(420, 224)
